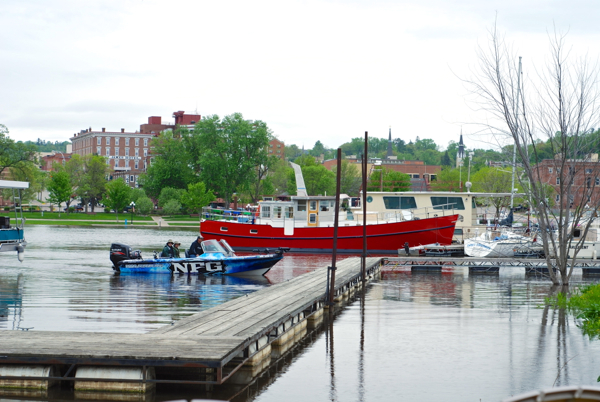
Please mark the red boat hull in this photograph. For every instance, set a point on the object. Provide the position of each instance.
(381, 238)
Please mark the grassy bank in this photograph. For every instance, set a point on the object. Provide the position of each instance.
(78, 216)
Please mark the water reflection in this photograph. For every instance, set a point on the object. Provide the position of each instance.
(411, 337)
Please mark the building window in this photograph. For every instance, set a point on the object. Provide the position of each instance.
(127, 163)
(557, 197)
(136, 165)
(116, 163)
(145, 152)
(127, 141)
(588, 171)
(137, 142)
(588, 182)
(107, 151)
(137, 152)
(550, 170)
(116, 140)
(99, 142)
(116, 151)
(132, 178)
(145, 142)
(107, 140)
(126, 151)
(99, 150)
(558, 180)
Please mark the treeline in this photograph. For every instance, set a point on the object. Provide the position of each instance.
(49, 146)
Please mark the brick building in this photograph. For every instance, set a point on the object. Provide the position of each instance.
(127, 153)
(420, 173)
(583, 173)
(277, 148)
(50, 158)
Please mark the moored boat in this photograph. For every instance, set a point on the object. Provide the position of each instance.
(12, 236)
(217, 258)
(496, 244)
(288, 224)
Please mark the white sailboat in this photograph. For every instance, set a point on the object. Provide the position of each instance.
(498, 244)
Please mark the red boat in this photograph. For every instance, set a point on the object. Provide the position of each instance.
(247, 232)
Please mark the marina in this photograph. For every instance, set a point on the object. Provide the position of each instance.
(375, 346)
(211, 347)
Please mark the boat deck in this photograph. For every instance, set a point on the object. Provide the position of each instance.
(215, 343)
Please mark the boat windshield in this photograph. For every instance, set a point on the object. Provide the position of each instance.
(213, 246)
(227, 247)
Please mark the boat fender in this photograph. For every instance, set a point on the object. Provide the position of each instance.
(20, 253)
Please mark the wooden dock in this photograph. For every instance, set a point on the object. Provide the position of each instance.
(230, 342)
(485, 265)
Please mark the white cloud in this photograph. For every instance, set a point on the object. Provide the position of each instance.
(313, 70)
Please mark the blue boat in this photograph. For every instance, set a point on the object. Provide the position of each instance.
(12, 234)
(217, 258)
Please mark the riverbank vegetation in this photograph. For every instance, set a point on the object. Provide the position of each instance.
(585, 305)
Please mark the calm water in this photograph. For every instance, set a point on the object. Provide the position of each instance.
(411, 337)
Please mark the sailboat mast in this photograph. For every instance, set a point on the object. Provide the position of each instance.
(514, 164)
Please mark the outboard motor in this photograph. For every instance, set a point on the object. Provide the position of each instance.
(120, 252)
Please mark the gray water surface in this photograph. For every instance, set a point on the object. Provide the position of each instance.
(410, 337)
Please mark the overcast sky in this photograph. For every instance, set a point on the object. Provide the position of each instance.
(312, 70)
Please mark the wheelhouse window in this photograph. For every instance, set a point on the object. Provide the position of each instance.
(399, 202)
(447, 203)
(276, 212)
(313, 205)
(312, 218)
(265, 212)
(301, 205)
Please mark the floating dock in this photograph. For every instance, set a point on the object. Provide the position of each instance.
(232, 342)
(485, 265)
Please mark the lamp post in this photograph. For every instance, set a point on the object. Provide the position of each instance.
(132, 205)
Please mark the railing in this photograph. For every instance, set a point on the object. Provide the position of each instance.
(218, 214)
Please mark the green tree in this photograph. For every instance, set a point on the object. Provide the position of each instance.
(167, 194)
(117, 195)
(172, 207)
(30, 173)
(350, 178)
(318, 149)
(196, 197)
(391, 181)
(227, 152)
(144, 205)
(137, 194)
(170, 166)
(447, 180)
(14, 154)
(59, 189)
(279, 178)
(261, 183)
(91, 184)
(446, 161)
(493, 180)
(318, 180)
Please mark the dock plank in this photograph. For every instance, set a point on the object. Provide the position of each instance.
(211, 337)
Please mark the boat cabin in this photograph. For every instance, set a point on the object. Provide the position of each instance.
(391, 205)
(311, 211)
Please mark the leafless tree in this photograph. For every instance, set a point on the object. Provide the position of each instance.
(557, 108)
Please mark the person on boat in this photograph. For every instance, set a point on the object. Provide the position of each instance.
(176, 249)
(168, 250)
(196, 247)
